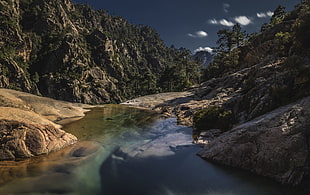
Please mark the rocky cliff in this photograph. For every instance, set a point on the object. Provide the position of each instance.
(72, 52)
(204, 57)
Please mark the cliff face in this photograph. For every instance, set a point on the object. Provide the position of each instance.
(13, 49)
(72, 52)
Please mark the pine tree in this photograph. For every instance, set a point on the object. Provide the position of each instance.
(278, 15)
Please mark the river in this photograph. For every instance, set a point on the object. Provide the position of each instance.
(125, 150)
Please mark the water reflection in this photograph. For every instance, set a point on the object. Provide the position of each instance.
(48, 173)
(75, 169)
(125, 150)
(111, 120)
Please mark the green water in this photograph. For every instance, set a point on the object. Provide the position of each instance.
(125, 150)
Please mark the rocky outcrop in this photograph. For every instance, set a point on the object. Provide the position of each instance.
(204, 57)
(266, 101)
(31, 125)
(23, 140)
(20, 79)
(14, 50)
(275, 144)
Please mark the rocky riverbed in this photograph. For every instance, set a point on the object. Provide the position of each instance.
(266, 139)
(269, 137)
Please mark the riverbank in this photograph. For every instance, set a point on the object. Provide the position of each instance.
(31, 125)
(133, 148)
(274, 144)
(266, 140)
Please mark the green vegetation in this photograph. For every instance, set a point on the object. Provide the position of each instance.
(213, 117)
(297, 84)
(273, 64)
(182, 74)
(285, 35)
(67, 52)
(277, 18)
(302, 29)
(227, 52)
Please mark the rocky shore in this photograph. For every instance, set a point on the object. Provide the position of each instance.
(31, 125)
(266, 138)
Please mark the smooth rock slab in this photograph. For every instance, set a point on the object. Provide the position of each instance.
(273, 145)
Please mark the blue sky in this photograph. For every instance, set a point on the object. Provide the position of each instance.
(193, 23)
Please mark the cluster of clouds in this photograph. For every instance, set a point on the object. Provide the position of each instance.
(242, 20)
(264, 15)
(208, 49)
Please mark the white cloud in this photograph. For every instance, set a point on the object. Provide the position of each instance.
(225, 22)
(198, 34)
(269, 13)
(208, 49)
(213, 21)
(264, 14)
(261, 15)
(226, 6)
(243, 20)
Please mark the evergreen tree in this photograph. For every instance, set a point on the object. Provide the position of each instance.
(238, 36)
(278, 15)
(227, 52)
(181, 74)
(224, 42)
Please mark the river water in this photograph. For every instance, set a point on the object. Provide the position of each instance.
(124, 150)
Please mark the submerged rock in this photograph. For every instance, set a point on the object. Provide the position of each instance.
(273, 145)
(23, 140)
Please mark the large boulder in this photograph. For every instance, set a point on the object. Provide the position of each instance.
(273, 145)
(31, 125)
(22, 140)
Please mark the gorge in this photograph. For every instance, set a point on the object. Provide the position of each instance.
(249, 109)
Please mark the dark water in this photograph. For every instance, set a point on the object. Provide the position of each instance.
(129, 151)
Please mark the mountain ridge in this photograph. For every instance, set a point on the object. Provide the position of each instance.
(75, 53)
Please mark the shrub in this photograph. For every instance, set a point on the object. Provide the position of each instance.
(213, 117)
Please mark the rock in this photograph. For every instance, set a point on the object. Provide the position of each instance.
(20, 79)
(4, 81)
(273, 145)
(30, 125)
(211, 133)
(24, 140)
(205, 137)
(20, 106)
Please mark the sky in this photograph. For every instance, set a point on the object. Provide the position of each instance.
(193, 24)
